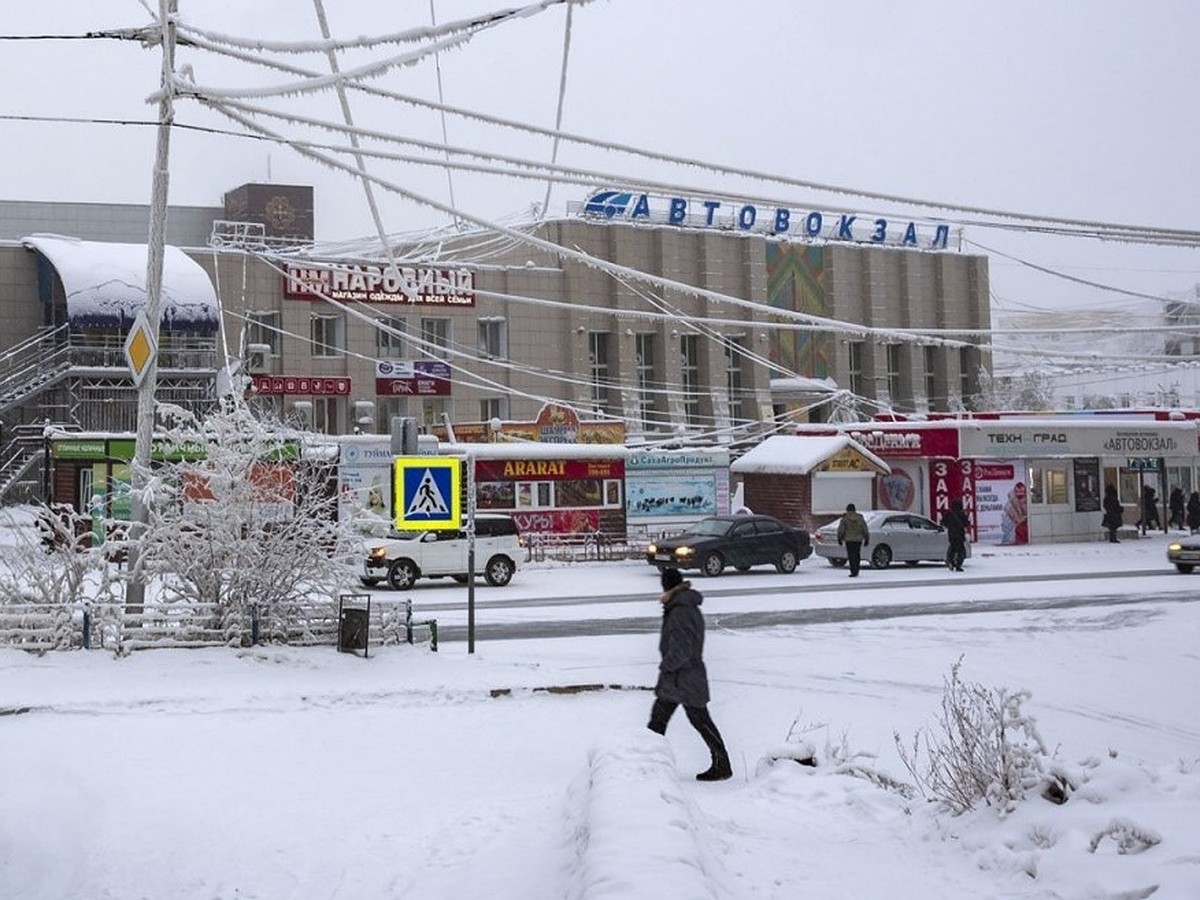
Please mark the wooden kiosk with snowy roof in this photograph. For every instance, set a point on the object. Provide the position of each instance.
(807, 481)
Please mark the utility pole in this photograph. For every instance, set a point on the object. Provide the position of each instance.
(135, 593)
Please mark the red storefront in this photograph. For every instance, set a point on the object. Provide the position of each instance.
(553, 489)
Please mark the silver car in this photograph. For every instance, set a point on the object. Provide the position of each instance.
(895, 537)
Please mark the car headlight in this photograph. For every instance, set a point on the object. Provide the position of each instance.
(684, 551)
(652, 548)
(378, 554)
(1174, 548)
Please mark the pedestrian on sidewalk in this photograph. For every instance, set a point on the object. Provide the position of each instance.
(1114, 513)
(852, 531)
(956, 523)
(682, 677)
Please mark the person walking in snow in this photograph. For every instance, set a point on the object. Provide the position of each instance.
(1114, 514)
(1175, 506)
(682, 677)
(1149, 509)
(852, 531)
(956, 523)
(1193, 512)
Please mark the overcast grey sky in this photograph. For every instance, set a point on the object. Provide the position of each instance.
(1075, 110)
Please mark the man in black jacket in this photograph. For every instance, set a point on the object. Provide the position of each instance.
(682, 677)
(956, 523)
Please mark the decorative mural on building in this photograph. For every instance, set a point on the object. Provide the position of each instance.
(796, 281)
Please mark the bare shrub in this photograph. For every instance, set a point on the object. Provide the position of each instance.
(985, 748)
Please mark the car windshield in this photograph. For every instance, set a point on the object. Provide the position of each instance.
(708, 528)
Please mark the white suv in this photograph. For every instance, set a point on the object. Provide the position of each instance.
(407, 556)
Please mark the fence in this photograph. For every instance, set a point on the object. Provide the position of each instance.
(41, 627)
(595, 546)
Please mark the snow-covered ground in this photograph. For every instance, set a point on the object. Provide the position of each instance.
(303, 773)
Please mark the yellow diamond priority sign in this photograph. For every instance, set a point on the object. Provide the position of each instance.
(140, 348)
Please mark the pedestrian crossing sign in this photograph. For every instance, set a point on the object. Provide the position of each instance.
(428, 493)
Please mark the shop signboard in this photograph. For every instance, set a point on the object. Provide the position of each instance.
(412, 378)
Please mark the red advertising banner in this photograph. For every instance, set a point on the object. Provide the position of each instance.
(951, 480)
(302, 384)
(547, 469)
(557, 521)
(371, 284)
(894, 443)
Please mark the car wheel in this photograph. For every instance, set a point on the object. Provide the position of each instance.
(712, 565)
(1185, 568)
(499, 571)
(881, 557)
(369, 582)
(837, 561)
(786, 562)
(402, 574)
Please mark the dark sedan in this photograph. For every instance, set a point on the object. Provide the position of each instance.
(740, 541)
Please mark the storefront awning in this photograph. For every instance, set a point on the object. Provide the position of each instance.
(105, 284)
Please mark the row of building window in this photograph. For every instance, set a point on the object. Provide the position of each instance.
(327, 335)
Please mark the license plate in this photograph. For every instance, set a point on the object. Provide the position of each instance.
(1188, 556)
(662, 557)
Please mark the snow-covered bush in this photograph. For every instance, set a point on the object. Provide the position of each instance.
(47, 568)
(986, 749)
(240, 516)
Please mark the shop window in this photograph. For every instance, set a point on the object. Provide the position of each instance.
(493, 408)
(535, 494)
(327, 334)
(929, 359)
(325, 415)
(644, 377)
(496, 495)
(735, 357)
(1048, 485)
(854, 367)
(389, 338)
(689, 348)
(580, 492)
(435, 338)
(612, 492)
(598, 370)
(493, 338)
(263, 328)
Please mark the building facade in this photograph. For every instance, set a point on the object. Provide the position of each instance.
(734, 330)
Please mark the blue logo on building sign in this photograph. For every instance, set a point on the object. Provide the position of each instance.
(738, 216)
(608, 204)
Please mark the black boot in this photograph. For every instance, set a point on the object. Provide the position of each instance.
(720, 770)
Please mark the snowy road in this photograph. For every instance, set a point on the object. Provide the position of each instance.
(554, 600)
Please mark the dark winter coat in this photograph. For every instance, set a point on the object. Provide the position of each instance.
(682, 677)
(956, 523)
(1114, 514)
(1149, 505)
(1193, 511)
(1175, 505)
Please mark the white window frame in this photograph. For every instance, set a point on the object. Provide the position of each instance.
(327, 334)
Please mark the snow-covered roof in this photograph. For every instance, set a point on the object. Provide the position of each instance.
(785, 454)
(105, 283)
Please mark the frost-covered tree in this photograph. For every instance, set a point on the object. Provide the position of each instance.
(1031, 390)
(48, 570)
(242, 516)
